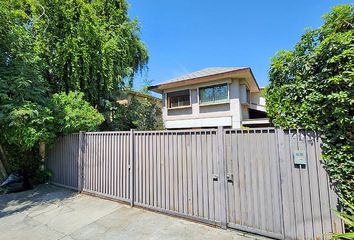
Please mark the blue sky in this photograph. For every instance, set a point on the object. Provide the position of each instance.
(184, 36)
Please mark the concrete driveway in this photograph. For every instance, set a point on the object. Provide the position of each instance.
(50, 212)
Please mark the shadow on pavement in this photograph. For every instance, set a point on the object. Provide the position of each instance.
(41, 194)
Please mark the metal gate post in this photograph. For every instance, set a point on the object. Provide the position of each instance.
(222, 177)
(131, 167)
(80, 162)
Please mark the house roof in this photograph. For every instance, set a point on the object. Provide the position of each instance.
(208, 74)
(142, 95)
(125, 97)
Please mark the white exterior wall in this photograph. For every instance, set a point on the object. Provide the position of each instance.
(194, 101)
(258, 99)
(245, 112)
(164, 106)
(199, 122)
(235, 105)
(211, 115)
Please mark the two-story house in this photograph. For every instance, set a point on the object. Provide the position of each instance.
(218, 96)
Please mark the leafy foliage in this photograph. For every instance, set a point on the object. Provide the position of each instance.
(27, 125)
(139, 114)
(88, 46)
(148, 115)
(348, 219)
(312, 86)
(74, 45)
(73, 113)
(51, 52)
(23, 114)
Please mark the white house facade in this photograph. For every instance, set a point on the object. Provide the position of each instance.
(212, 97)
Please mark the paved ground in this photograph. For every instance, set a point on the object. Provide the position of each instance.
(49, 212)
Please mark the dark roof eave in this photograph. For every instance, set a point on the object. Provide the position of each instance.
(254, 79)
(154, 88)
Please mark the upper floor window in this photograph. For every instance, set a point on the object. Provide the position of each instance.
(214, 94)
(178, 99)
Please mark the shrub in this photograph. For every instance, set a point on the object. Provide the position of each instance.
(25, 124)
(72, 113)
(312, 86)
(349, 220)
(139, 114)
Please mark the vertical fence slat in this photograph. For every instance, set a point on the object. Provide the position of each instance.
(132, 168)
(180, 172)
(222, 178)
(287, 185)
(314, 184)
(80, 162)
(184, 174)
(264, 184)
(189, 174)
(236, 177)
(209, 161)
(231, 198)
(306, 188)
(163, 171)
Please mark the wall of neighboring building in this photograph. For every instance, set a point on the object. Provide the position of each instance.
(245, 111)
(197, 115)
(258, 99)
(124, 100)
(244, 86)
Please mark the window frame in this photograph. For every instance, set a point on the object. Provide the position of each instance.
(168, 102)
(227, 99)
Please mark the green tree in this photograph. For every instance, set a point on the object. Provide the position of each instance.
(23, 92)
(139, 114)
(23, 127)
(312, 86)
(147, 115)
(73, 114)
(88, 46)
(76, 45)
(51, 50)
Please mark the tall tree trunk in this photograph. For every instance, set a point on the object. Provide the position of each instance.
(42, 154)
(3, 162)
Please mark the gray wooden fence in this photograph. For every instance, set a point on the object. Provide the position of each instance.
(242, 179)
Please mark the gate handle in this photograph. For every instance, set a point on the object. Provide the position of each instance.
(230, 177)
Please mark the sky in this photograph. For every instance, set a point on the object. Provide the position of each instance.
(185, 36)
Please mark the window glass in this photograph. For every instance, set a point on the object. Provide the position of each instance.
(174, 102)
(206, 94)
(212, 94)
(184, 100)
(220, 93)
(178, 99)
